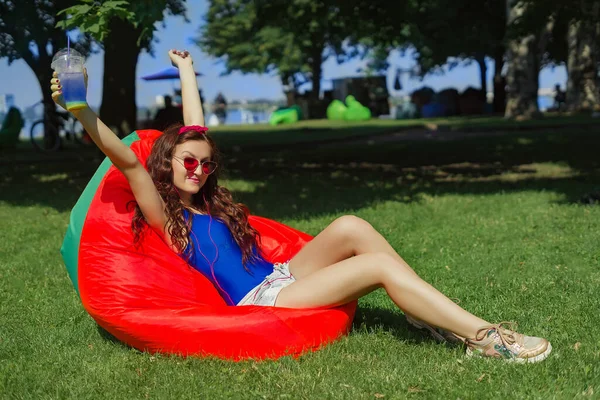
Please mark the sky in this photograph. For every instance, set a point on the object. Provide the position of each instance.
(19, 80)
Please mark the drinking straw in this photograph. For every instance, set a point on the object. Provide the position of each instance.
(68, 50)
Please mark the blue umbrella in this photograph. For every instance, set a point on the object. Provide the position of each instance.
(165, 74)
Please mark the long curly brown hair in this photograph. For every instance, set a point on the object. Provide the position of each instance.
(212, 199)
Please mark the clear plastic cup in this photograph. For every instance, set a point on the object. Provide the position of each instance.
(69, 66)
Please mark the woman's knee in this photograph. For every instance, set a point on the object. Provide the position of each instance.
(383, 264)
(388, 267)
(350, 226)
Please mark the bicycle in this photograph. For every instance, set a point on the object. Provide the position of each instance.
(62, 126)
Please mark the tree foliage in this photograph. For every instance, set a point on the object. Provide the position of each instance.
(232, 33)
(28, 31)
(377, 28)
(292, 38)
(123, 29)
(94, 17)
(460, 29)
(442, 32)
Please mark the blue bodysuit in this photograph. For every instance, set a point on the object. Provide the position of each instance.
(227, 273)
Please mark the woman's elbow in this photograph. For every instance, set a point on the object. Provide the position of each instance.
(128, 163)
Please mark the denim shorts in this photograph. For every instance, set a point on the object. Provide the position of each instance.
(266, 292)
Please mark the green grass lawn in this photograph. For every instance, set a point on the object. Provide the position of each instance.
(492, 221)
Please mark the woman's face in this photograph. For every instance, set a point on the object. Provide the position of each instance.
(187, 182)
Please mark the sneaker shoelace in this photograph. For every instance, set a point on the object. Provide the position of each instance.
(506, 333)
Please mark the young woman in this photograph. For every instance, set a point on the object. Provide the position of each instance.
(179, 197)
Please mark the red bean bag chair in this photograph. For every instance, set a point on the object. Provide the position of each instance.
(149, 298)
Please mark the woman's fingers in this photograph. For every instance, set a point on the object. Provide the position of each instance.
(56, 96)
(55, 74)
(177, 56)
(56, 88)
(55, 84)
(180, 53)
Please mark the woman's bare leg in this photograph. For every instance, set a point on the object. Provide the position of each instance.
(345, 237)
(354, 277)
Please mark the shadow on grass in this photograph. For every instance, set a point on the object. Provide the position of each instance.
(309, 183)
(367, 319)
(304, 134)
(370, 319)
(294, 183)
(56, 184)
(107, 336)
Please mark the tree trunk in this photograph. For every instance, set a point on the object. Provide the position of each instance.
(523, 70)
(316, 72)
(482, 74)
(44, 75)
(121, 51)
(499, 81)
(583, 84)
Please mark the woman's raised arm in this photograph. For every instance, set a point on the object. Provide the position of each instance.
(190, 96)
(122, 157)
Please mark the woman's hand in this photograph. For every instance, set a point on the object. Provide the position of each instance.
(180, 58)
(56, 88)
(190, 97)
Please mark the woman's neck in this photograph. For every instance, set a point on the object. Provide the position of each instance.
(186, 200)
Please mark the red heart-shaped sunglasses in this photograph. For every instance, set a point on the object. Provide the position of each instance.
(191, 164)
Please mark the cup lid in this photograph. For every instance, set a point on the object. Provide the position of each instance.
(64, 54)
